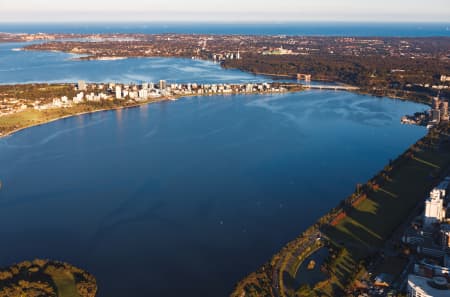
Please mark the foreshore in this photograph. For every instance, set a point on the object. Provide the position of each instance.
(175, 97)
(78, 114)
(282, 261)
(134, 105)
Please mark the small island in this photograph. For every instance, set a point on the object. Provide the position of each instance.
(39, 278)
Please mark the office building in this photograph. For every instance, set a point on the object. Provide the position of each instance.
(143, 94)
(445, 235)
(118, 92)
(82, 85)
(444, 111)
(436, 116)
(435, 211)
(162, 84)
(425, 287)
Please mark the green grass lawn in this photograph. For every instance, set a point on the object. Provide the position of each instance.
(31, 117)
(374, 220)
(65, 283)
(370, 223)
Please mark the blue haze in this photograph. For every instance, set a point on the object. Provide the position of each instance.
(306, 28)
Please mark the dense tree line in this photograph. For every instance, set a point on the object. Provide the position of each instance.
(378, 75)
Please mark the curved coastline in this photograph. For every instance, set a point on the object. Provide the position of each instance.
(10, 133)
(167, 99)
(281, 255)
(137, 104)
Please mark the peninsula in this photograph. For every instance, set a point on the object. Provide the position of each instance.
(409, 68)
(23, 106)
(46, 278)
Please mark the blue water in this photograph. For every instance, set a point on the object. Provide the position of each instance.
(27, 67)
(185, 198)
(305, 28)
(182, 198)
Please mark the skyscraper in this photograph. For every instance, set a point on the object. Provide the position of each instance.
(434, 206)
(444, 111)
(81, 85)
(435, 116)
(162, 84)
(118, 92)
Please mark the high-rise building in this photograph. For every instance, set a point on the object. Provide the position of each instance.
(435, 211)
(445, 78)
(118, 92)
(445, 235)
(435, 116)
(143, 94)
(424, 287)
(162, 84)
(436, 102)
(444, 111)
(81, 85)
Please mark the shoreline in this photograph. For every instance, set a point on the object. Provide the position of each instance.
(280, 256)
(148, 102)
(173, 98)
(10, 133)
(331, 215)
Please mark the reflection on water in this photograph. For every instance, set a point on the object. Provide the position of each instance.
(198, 191)
(32, 66)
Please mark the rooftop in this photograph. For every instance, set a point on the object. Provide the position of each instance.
(436, 287)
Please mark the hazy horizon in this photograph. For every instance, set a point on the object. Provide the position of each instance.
(233, 11)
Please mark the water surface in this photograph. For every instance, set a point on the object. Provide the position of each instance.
(182, 198)
(411, 29)
(185, 198)
(45, 66)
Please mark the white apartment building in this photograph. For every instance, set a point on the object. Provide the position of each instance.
(118, 92)
(434, 205)
(424, 287)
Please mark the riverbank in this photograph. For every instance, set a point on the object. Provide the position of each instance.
(357, 230)
(19, 121)
(362, 90)
(74, 114)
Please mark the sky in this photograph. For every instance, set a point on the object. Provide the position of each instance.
(224, 10)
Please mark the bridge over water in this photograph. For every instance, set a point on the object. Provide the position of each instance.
(331, 87)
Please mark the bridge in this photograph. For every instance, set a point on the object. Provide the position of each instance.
(331, 87)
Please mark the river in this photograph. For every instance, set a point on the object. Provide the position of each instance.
(182, 198)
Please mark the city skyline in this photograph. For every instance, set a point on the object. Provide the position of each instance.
(230, 11)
